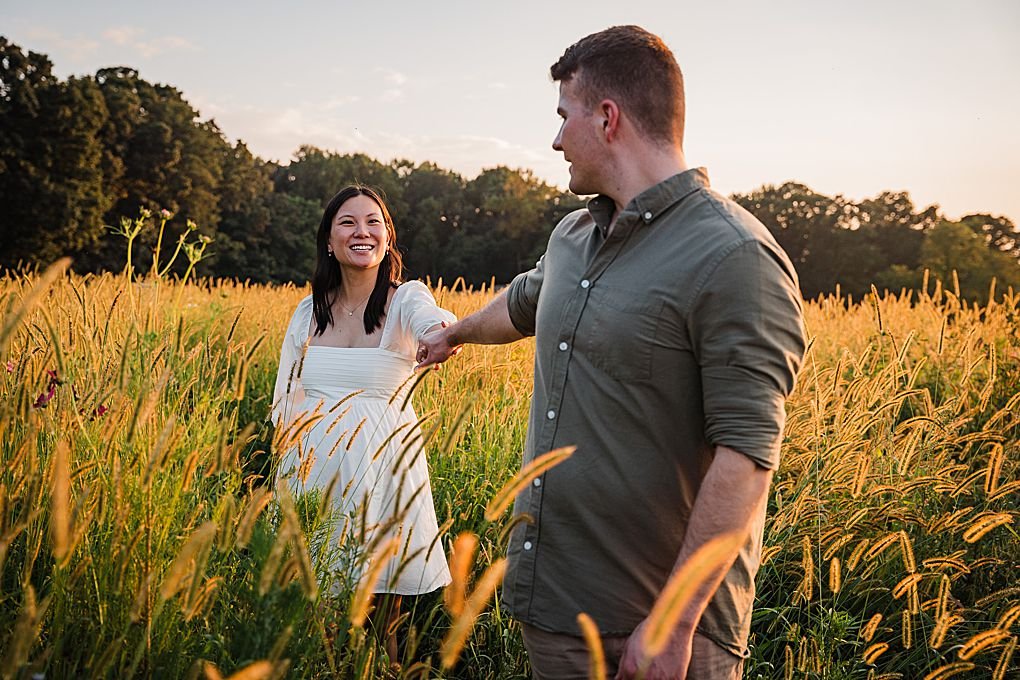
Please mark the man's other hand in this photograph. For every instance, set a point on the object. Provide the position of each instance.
(671, 664)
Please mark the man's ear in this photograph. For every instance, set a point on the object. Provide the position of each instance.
(610, 113)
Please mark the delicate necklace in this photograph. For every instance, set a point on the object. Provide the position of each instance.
(350, 312)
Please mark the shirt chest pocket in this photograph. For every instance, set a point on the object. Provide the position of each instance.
(618, 330)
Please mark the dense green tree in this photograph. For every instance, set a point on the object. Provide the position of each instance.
(895, 230)
(954, 247)
(317, 175)
(504, 225)
(999, 232)
(51, 187)
(242, 248)
(158, 155)
(434, 197)
(293, 223)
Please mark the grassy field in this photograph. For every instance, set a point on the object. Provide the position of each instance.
(137, 540)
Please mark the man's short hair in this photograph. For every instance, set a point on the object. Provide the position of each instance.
(636, 69)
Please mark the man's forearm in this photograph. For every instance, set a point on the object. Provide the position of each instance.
(731, 496)
(490, 325)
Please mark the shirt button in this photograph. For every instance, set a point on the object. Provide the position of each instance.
(585, 283)
(527, 545)
(551, 414)
(648, 215)
(563, 346)
(537, 482)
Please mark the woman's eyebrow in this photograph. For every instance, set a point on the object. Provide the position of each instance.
(352, 215)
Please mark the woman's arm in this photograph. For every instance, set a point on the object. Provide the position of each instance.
(491, 325)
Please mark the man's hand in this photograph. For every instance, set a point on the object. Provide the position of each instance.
(670, 665)
(436, 346)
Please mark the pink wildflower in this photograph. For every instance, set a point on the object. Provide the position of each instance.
(10, 365)
(44, 398)
(51, 389)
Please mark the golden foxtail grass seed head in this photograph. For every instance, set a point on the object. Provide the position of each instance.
(984, 523)
(1009, 617)
(462, 557)
(367, 586)
(907, 629)
(454, 641)
(539, 466)
(906, 585)
(994, 468)
(982, 641)
(257, 502)
(259, 670)
(15, 316)
(704, 568)
(942, 626)
(1002, 667)
(835, 575)
(60, 517)
(942, 600)
(871, 627)
(949, 670)
(879, 546)
(593, 641)
(907, 551)
(874, 651)
(185, 565)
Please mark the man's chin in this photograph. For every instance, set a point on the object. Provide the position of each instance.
(580, 188)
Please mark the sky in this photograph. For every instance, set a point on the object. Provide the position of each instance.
(847, 98)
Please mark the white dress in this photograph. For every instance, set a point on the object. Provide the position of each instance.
(368, 441)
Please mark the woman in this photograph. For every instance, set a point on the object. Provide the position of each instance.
(347, 357)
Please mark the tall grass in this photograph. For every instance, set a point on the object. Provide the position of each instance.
(139, 535)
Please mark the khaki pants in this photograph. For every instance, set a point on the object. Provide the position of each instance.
(557, 656)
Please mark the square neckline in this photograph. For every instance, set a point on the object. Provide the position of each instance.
(382, 334)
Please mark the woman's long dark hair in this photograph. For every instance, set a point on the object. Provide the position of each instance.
(327, 279)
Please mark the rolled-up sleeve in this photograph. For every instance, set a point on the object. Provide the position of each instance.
(522, 298)
(746, 327)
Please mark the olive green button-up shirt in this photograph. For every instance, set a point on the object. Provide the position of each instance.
(677, 330)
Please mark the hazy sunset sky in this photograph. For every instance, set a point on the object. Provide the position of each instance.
(849, 98)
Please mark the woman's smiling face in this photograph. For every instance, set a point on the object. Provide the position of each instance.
(358, 234)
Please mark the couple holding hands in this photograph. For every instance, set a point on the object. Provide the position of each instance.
(668, 329)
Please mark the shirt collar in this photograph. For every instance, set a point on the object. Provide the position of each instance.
(651, 202)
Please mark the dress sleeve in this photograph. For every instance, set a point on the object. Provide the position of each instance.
(289, 392)
(418, 313)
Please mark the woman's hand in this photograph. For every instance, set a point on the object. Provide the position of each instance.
(436, 346)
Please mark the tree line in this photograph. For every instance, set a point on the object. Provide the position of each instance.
(78, 156)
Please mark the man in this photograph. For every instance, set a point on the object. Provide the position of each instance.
(668, 334)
